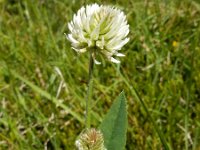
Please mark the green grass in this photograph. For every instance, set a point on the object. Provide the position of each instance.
(43, 82)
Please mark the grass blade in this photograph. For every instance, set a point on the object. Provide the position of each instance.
(47, 95)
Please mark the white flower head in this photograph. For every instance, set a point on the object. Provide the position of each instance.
(102, 29)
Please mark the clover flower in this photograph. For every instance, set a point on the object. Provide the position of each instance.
(101, 29)
(90, 139)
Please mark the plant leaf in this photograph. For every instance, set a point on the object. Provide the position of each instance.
(114, 125)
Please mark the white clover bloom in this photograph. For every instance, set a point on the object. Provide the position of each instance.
(102, 29)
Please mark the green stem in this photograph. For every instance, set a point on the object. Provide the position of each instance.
(136, 94)
(89, 93)
(186, 121)
(160, 134)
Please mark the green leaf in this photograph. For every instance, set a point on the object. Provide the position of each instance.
(114, 125)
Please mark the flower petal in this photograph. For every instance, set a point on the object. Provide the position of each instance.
(120, 55)
(114, 60)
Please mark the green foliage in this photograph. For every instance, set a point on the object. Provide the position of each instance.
(114, 125)
(162, 63)
(48, 96)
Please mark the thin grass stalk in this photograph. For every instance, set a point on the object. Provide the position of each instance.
(186, 122)
(135, 93)
(160, 134)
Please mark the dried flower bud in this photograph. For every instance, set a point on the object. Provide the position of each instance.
(90, 139)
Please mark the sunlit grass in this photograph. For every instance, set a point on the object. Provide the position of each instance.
(42, 104)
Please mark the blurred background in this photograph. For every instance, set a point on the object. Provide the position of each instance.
(43, 82)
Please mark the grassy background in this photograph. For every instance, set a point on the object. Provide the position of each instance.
(43, 81)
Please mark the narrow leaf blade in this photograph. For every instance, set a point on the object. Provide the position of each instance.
(47, 95)
(114, 125)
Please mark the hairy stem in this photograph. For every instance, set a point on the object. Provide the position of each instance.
(89, 93)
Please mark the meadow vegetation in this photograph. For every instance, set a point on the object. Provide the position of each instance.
(43, 82)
